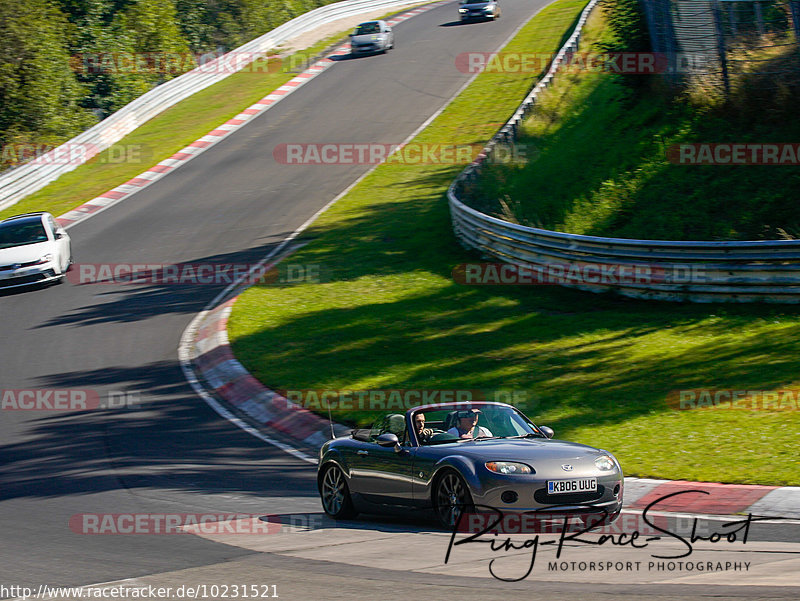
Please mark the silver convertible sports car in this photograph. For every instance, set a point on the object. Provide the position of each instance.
(464, 457)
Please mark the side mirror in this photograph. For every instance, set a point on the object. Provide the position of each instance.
(547, 431)
(388, 440)
(350, 35)
(59, 235)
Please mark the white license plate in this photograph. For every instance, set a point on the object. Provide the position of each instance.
(560, 487)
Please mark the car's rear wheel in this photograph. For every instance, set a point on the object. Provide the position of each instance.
(451, 499)
(335, 495)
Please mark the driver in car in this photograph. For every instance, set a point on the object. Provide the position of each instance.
(468, 425)
(423, 434)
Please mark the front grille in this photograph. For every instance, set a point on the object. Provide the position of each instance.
(543, 498)
(28, 279)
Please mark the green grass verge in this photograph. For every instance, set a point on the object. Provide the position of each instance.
(167, 133)
(597, 369)
(600, 165)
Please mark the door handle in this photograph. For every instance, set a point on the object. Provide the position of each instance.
(362, 452)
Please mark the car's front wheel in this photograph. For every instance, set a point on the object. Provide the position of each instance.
(335, 495)
(451, 499)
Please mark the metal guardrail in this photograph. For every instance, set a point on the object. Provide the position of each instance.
(752, 271)
(30, 177)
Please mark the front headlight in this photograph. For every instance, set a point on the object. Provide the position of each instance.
(605, 463)
(44, 259)
(508, 467)
(462, 10)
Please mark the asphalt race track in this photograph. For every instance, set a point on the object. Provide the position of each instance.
(173, 454)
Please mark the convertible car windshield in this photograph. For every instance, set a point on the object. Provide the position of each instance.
(493, 421)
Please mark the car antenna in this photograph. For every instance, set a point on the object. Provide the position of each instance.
(330, 421)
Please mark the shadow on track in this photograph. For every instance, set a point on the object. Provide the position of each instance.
(168, 438)
(129, 302)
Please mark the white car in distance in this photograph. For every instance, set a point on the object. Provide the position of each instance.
(34, 249)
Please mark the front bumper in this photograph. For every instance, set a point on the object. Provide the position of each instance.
(376, 46)
(28, 276)
(483, 14)
(519, 494)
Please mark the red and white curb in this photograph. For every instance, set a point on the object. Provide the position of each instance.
(712, 498)
(228, 379)
(183, 156)
(205, 349)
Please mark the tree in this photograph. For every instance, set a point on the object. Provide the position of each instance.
(39, 95)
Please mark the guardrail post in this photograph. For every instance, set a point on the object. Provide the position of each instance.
(794, 7)
(759, 17)
(721, 46)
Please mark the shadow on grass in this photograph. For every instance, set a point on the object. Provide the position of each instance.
(603, 170)
(585, 358)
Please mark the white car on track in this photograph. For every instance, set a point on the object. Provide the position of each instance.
(34, 249)
(371, 37)
(469, 10)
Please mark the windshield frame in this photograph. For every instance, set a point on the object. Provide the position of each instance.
(377, 27)
(485, 407)
(24, 224)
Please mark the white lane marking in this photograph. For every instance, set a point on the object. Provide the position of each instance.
(188, 334)
(80, 214)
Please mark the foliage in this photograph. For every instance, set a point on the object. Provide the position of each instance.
(39, 95)
(606, 161)
(66, 63)
(599, 370)
(626, 25)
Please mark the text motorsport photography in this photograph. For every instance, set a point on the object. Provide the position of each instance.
(652, 541)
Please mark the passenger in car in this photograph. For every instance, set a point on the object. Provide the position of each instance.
(468, 425)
